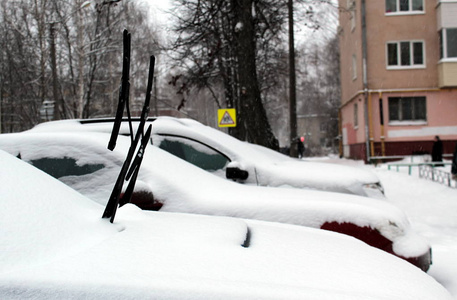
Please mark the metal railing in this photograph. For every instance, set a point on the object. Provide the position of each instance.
(397, 166)
(428, 171)
(380, 159)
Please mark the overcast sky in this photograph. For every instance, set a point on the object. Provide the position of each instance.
(328, 22)
(158, 8)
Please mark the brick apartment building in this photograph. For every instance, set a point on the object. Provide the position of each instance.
(398, 76)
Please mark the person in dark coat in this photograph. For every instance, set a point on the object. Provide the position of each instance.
(454, 164)
(301, 147)
(437, 151)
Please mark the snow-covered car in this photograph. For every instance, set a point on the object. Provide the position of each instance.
(166, 183)
(54, 244)
(228, 157)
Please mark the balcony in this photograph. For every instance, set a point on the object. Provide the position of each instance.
(447, 74)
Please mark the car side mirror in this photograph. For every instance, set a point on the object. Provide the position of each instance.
(236, 173)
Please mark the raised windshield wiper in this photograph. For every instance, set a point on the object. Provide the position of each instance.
(123, 92)
(129, 170)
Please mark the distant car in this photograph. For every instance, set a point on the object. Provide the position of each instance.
(166, 183)
(228, 157)
(54, 244)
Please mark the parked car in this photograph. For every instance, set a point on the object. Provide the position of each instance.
(54, 244)
(166, 183)
(228, 157)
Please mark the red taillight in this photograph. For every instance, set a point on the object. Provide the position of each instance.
(374, 238)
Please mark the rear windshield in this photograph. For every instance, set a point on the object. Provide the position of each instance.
(65, 166)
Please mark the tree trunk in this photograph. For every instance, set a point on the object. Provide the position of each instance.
(250, 111)
(292, 83)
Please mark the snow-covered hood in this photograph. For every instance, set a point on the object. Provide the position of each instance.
(314, 175)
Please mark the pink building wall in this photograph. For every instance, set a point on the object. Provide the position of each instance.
(441, 118)
(383, 28)
(399, 138)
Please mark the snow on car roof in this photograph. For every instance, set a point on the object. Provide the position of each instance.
(54, 243)
(288, 171)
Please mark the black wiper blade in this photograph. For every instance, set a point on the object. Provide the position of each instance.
(111, 206)
(132, 174)
(129, 170)
(123, 91)
(140, 153)
(126, 173)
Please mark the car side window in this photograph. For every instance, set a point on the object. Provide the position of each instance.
(194, 152)
(64, 166)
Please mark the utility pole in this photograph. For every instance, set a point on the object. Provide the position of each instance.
(365, 79)
(156, 99)
(292, 84)
(81, 54)
(1, 103)
(55, 89)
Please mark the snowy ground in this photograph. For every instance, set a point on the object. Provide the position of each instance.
(432, 210)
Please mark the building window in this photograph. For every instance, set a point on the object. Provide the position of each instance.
(323, 126)
(404, 6)
(448, 43)
(407, 109)
(352, 9)
(354, 67)
(323, 142)
(356, 115)
(405, 54)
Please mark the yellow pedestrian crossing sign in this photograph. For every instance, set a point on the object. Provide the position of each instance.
(226, 117)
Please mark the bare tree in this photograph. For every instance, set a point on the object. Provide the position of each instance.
(230, 44)
(319, 83)
(83, 41)
(23, 62)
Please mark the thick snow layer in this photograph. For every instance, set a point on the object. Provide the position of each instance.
(206, 194)
(268, 167)
(265, 167)
(54, 245)
(431, 208)
(182, 187)
(28, 232)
